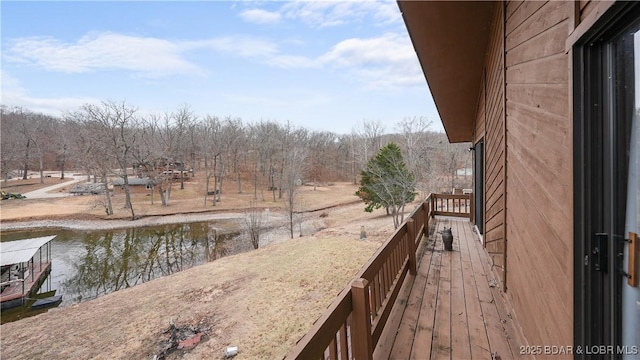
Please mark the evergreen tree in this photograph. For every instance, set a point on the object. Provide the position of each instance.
(386, 182)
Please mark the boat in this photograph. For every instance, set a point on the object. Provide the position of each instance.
(47, 302)
(24, 264)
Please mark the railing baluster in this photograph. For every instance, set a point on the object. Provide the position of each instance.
(379, 293)
(344, 347)
(411, 234)
(333, 349)
(375, 293)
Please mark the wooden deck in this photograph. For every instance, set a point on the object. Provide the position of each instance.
(452, 308)
(15, 290)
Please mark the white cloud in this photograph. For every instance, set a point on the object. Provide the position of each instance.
(259, 16)
(144, 56)
(13, 94)
(149, 56)
(243, 46)
(388, 48)
(385, 61)
(333, 13)
(388, 60)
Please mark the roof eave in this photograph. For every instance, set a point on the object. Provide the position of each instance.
(450, 39)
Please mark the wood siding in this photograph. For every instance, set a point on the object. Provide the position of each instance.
(588, 7)
(539, 169)
(494, 117)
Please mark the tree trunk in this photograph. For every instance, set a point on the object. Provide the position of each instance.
(291, 222)
(280, 182)
(26, 161)
(215, 189)
(255, 184)
(215, 178)
(127, 193)
(262, 187)
(109, 207)
(206, 179)
(5, 171)
(63, 162)
(41, 170)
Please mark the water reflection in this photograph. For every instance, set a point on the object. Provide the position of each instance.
(86, 265)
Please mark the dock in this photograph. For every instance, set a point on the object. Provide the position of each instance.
(24, 265)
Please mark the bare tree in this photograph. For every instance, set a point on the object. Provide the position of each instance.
(322, 156)
(10, 144)
(183, 118)
(90, 149)
(295, 170)
(115, 126)
(211, 149)
(372, 132)
(367, 140)
(413, 131)
(253, 223)
(235, 140)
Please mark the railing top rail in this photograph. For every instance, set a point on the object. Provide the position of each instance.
(373, 265)
(324, 329)
(451, 196)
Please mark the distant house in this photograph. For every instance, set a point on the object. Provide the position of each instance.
(136, 185)
(548, 93)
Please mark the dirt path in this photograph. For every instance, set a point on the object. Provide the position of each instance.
(47, 192)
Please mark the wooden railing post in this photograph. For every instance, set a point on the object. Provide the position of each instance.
(433, 205)
(427, 214)
(361, 327)
(411, 235)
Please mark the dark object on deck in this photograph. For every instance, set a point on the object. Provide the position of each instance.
(46, 302)
(447, 238)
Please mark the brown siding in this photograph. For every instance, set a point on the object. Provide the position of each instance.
(539, 170)
(495, 147)
(590, 7)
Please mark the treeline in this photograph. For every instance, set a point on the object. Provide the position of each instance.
(102, 140)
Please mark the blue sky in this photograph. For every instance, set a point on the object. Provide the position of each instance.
(325, 65)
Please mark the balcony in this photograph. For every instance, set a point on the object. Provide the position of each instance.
(414, 300)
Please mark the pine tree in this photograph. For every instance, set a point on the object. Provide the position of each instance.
(386, 182)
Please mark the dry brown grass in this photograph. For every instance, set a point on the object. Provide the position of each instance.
(189, 200)
(262, 301)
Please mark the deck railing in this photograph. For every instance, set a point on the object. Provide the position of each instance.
(452, 205)
(351, 326)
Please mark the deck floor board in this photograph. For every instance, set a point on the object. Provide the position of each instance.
(452, 308)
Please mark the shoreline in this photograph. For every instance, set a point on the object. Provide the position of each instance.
(97, 224)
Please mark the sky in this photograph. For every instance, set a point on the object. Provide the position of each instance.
(324, 66)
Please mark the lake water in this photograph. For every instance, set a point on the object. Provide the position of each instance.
(89, 264)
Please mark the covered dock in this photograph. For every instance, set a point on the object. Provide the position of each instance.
(24, 264)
